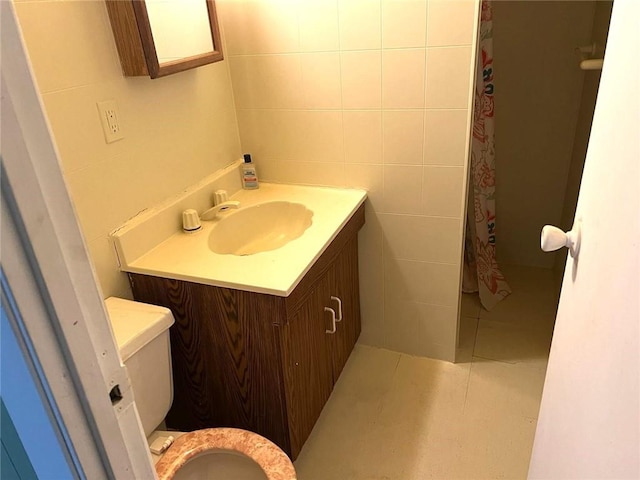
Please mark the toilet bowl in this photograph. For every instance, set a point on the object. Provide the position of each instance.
(142, 335)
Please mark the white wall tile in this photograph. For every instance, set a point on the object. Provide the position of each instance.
(401, 326)
(433, 283)
(293, 135)
(425, 239)
(437, 324)
(362, 136)
(267, 81)
(371, 311)
(368, 177)
(448, 77)
(272, 170)
(132, 179)
(250, 131)
(361, 79)
(387, 138)
(446, 138)
(308, 173)
(402, 189)
(440, 351)
(360, 24)
(264, 132)
(203, 132)
(402, 136)
(90, 194)
(84, 54)
(404, 23)
(321, 80)
(256, 26)
(403, 77)
(318, 25)
(442, 191)
(268, 169)
(450, 22)
(371, 236)
(371, 273)
(415, 327)
(318, 136)
(113, 283)
(74, 110)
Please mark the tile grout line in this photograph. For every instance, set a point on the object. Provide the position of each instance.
(382, 398)
(473, 351)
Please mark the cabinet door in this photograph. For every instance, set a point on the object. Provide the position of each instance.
(225, 354)
(344, 286)
(307, 365)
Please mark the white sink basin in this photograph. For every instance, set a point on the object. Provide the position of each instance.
(259, 228)
(152, 243)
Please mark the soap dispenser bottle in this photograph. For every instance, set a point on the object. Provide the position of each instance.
(249, 175)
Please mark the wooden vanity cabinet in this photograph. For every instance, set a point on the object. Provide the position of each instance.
(261, 362)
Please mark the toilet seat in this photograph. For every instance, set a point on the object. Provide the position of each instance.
(273, 461)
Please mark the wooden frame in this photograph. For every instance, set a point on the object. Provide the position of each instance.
(137, 49)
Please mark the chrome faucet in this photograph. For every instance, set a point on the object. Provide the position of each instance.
(221, 207)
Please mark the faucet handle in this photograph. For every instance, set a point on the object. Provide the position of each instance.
(190, 221)
(220, 196)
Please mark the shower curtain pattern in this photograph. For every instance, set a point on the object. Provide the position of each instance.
(480, 257)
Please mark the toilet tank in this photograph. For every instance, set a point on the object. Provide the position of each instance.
(142, 334)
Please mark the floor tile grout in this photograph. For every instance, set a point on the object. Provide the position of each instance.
(434, 419)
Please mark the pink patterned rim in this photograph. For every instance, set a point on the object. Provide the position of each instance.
(273, 461)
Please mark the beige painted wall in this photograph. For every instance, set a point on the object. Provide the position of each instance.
(537, 100)
(178, 129)
(371, 94)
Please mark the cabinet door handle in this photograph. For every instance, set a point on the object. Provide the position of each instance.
(333, 319)
(337, 299)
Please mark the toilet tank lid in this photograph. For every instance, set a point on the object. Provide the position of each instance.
(135, 324)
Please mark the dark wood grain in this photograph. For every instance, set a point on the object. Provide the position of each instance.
(345, 285)
(146, 36)
(226, 357)
(307, 365)
(127, 37)
(168, 68)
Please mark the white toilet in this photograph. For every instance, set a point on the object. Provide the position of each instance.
(142, 335)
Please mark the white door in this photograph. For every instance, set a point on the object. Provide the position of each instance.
(589, 423)
(51, 299)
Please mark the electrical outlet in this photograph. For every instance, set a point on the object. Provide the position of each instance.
(109, 118)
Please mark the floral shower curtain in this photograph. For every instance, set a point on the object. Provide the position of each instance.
(481, 272)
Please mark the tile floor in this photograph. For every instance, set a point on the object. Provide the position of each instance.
(397, 417)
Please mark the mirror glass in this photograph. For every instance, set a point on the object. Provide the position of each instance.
(171, 19)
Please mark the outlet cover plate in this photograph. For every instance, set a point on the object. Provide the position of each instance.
(110, 120)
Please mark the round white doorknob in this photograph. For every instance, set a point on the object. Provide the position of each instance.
(552, 238)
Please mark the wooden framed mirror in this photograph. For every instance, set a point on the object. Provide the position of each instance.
(161, 37)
